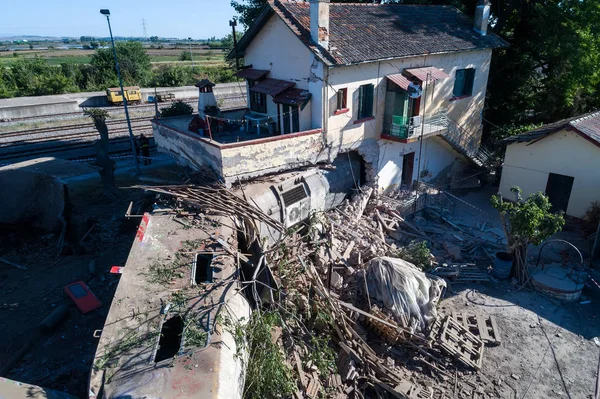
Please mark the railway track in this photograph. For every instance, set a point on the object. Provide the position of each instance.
(68, 142)
(28, 132)
(111, 109)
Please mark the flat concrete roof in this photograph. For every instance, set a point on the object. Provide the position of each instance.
(31, 101)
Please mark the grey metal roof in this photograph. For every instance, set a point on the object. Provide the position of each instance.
(370, 32)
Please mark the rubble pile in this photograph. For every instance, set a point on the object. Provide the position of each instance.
(344, 281)
(357, 318)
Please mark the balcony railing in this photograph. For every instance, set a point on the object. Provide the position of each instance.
(406, 128)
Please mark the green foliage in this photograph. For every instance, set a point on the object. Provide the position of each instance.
(33, 77)
(133, 61)
(527, 221)
(512, 130)
(97, 114)
(267, 374)
(322, 355)
(172, 76)
(550, 69)
(592, 214)
(185, 56)
(178, 108)
(418, 254)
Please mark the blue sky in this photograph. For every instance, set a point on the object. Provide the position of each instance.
(198, 19)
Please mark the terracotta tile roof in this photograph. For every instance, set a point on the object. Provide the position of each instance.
(370, 32)
(421, 73)
(401, 80)
(587, 125)
(272, 87)
(252, 74)
(292, 97)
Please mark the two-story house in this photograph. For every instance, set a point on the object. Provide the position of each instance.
(402, 85)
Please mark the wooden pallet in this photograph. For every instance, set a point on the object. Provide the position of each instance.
(390, 334)
(484, 327)
(460, 343)
(469, 274)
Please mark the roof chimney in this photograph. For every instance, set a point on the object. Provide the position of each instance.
(319, 22)
(482, 16)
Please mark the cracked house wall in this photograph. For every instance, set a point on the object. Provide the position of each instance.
(438, 158)
(566, 153)
(171, 136)
(241, 160)
(271, 155)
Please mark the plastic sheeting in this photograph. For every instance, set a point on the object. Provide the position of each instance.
(405, 291)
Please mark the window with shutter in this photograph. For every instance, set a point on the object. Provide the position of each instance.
(463, 82)
(365, 101)
(342, 98)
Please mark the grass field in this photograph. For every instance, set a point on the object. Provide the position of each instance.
(157, 56)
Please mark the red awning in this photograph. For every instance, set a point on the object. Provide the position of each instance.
(272, 87)
(252, 74)
(421, 73)
(292, 97)
(401, 80)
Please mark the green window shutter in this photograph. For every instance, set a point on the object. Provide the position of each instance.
(459, 83)
(361, 100)
(365, 101)
(369, 100)
(470, 78)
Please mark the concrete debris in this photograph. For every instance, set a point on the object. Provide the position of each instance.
(333, 273)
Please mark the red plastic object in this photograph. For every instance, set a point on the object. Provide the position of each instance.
(116, 269)
(83, 297)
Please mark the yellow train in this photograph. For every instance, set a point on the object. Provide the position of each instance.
(132, 93)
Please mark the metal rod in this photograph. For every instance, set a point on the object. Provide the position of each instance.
(233, 24)
(421, 137)
(135, 157)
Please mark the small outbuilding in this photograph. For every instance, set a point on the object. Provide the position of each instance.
(561, 159)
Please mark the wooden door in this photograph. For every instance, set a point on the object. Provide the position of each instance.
(558, 190)
(408, 165)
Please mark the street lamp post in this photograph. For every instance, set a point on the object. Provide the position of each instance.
(137, 165)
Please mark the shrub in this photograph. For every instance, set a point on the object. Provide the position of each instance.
(185, 56)
(592, 214)
(178, 108)
(418, 254)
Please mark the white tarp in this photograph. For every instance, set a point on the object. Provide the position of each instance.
(404, 290)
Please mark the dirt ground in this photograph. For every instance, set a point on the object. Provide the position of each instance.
(62, 359)
(525, 365)
(547, 349)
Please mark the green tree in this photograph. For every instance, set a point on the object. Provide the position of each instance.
(550, 69)
(185, 56)
(133, 60)
(178, 108)
(524, 222)
(153, 39)
(172, 76)
(34, 77)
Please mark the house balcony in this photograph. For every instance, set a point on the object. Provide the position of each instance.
(410, 130)
(235, 152)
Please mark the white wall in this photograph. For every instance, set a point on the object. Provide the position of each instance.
(466, 111)
(437, 157)
(276, 49)
(565, 153)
